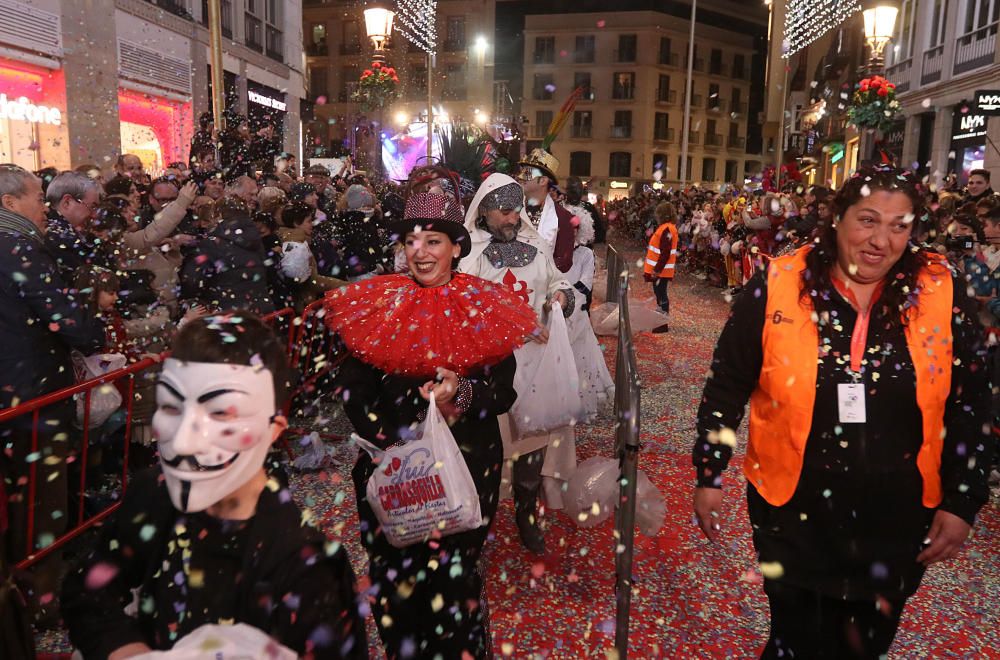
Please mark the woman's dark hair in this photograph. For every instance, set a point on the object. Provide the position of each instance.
(109, 218)
(267, 220)
(119, 185)
(235, 337)
(972, 221)
(900, 282)
(92, 280)
(295, 214)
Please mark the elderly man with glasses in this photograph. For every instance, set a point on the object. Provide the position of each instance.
(72, 199)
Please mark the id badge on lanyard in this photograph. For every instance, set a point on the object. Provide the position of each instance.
(851, 403)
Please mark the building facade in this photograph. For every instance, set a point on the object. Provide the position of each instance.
(83, 82)
(626, 130)
(943, 52)
(338, 51)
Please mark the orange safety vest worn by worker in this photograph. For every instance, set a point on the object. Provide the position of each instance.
(781, 406)
(653, 251)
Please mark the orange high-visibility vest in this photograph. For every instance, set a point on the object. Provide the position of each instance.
(653, 251)
(781, 406)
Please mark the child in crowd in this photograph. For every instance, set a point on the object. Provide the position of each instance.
(209, 537)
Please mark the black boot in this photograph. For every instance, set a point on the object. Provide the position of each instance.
(527, 480)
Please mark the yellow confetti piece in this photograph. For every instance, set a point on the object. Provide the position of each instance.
(772, 570)
(437, 603)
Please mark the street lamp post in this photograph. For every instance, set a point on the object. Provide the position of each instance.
(378, 25)
(880, 23)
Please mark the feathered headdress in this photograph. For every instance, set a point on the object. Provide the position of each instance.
(561, 118)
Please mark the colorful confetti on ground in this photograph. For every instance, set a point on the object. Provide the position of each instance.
(690, 599)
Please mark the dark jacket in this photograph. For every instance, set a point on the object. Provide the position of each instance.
(41, 321)
(967, 199)
(272, 573)
(227, 270)
(70, 248)
(235, 155)
(359, 240)
(860, 489)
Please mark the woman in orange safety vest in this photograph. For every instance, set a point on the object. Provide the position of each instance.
(661, 257)
(867, 460)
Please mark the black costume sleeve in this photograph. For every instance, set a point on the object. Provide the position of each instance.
(195, 272)
(358, 386)
(493, 391)
(968, 442)
(736, 365)
(95, 593)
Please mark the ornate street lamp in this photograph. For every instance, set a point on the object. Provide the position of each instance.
(880, 24)
(378, 25)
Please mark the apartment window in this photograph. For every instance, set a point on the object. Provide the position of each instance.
(902, 40)
(543, 87)
(626, 48)
(622, 127)
(543, 119)
(980, 13)
(253, 26)
(623, 86)
(737, 96)
(454, 82)
(663, 88)
(713, 96)
(939, 20)
(545, 50)
(579, 163)
(582, 79)
(620, 164)
(584, 51)
(582, 122)
(734, 132)
(731, 166)
(661, 126)
(455, 36)
(416, 82)
(665, 54)
(274, 42)
(317, 81)
(317, 39)
(708, 169)
(348, 83)
(660, 164)
(715, 62)
(739, 66)
(689, 172)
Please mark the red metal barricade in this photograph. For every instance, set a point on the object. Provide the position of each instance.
(285, 323)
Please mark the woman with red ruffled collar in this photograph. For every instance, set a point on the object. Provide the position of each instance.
(433, 329)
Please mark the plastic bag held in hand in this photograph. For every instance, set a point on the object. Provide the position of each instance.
(423, 488)
(592, 491)
(105, 399)
(650, 507)
(546, 381)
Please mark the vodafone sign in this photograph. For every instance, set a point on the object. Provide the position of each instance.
(21, 109)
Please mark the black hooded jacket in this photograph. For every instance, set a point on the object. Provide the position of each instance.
(227, 270)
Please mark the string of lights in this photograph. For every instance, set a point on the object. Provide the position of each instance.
(417, 21)
(808, 20)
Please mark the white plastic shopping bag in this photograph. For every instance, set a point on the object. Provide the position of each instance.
(422, 488)
(546, 381)
(105, 399)
(224, 642)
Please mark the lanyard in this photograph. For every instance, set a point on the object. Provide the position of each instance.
(859, 336)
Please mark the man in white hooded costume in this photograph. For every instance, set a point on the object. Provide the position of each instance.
(507, 250)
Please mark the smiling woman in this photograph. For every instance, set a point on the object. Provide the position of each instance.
(868, 450)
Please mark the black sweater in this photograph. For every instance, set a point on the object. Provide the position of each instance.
(270, 572)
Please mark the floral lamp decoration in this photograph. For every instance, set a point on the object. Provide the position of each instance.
(874, 105)
(377, 87)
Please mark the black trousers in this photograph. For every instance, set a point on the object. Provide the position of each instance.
(806, 625)
(660, 290)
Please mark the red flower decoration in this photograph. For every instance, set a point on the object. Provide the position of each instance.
(376, 65)
(883, 92)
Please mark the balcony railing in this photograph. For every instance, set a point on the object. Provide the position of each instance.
(739, 107)
(695, 101)
(715, 68)
(348, 92)
(175, 7)
(254, 32)
(694, 137)
(627, 55)
(543, 57)
(454, 45)
(538, 130)
(713, 140)
(666, 96)
(350, 48)
(975, 49)
(736, 142)
(666, 135)
(699, 63)
(899, 74)
(274, 44)
(581, 130)
(589, 93)
(621, 132)
(715, 104)
(317, 50)
(933, 63)
(623, 94)
(668, 59)
(741, 73)
(541, 94)
(583, 57)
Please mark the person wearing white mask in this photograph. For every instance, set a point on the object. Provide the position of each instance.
(210, 536)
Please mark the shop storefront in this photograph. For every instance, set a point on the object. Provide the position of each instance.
(892, 141)
(33, 132)
(156, 128)
(968, 141)
(266, 105)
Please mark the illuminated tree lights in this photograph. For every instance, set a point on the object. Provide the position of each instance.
(417, 21)
(808, 20)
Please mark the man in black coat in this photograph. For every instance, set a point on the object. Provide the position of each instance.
(73, 199)
(40, 322)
